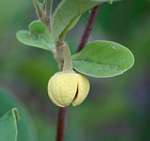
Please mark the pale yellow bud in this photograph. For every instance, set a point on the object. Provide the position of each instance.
(66, 88)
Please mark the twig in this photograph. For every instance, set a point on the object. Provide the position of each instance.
(83, 41)
(88, 29)
(61, 124)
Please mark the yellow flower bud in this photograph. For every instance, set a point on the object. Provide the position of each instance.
(65, 88)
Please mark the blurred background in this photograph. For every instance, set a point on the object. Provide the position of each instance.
(117, 109)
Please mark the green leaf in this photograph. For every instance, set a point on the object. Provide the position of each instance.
(71, 24)
(26, 130)
(38, 27)
(68, 10)
(101, 59)
(8, 126)
(37, 36)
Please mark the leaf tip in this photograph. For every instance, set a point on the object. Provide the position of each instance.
(15, 113)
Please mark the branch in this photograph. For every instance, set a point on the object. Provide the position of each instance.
(61, 124)
(88, 29)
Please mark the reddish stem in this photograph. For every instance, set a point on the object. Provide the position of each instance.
(88, 29)
(61, 124)
(83, 41)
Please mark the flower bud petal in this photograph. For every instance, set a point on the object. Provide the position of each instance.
(83, 90)
(62, 88)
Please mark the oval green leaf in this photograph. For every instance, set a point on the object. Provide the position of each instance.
(26, 130)
(102, 59)
(37, 36)
(70, 10)
(37, 27)
(8, 126)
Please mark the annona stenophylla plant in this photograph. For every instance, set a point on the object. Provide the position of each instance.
(98, 59)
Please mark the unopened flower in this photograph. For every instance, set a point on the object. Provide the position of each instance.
(66, 88)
